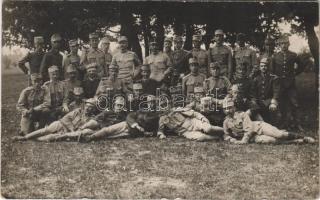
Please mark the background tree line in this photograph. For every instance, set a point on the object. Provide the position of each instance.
(22, 20)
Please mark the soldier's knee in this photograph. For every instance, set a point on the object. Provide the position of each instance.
(263, 139)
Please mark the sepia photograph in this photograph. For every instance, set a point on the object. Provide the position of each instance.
(160, 99)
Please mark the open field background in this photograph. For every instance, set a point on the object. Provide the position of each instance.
(150, 168)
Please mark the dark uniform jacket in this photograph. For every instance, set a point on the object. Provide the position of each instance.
(34, 59)
(147, 120)
(108, 118)
(282, 65)
(51, 58)
(90, 87)
(266, 88)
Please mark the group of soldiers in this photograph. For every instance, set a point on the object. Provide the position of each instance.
(201, 95)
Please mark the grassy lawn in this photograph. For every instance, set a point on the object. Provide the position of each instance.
(150, 168)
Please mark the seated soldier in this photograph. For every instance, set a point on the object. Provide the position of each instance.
(137, 124)
(69, 123)
(240, 129)
(194, 79)
(104, 119)
(216, 85)
(111, 85)
(266, 89)
(149, 86)
(135, 97)
(189, 124)
(78, 98)
(33, 104)
(70, 83)
(58, 94)
(91, 81)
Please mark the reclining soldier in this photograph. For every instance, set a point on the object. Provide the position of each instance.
(240, 129)
(69, 123)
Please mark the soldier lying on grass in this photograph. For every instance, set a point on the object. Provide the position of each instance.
(239, 129)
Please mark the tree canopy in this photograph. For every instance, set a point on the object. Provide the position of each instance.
(22, 20)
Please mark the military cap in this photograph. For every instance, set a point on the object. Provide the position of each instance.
(193, 61)
(113, 66)
(240, 36)
(119, 100)
(91, 65)
(227, 103)
(105, 40)
(122, 39)
(38, 39)
(219, 32)
(198, 89)
(168, 39)
(137, 86)
(91, 102)
(197, 38)
(215, 65)
(93, 35)
(178, 39)
(53, 68)
(264, 61)
(78, 91)
(71, 68)
(205, 100)
(73, 43)
(55, 37)
(35, 76)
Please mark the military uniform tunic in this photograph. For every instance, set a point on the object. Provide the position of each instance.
(70, 85)
(94, 56)
(244, 56)
(58, 92)
(219, 86)
(190, 81)
(202, 58)
(222, 55)
(90, 87)
(116, 87)
(159, 63)
(34, 59)
(51, 58)
(180, 60)
(128, 63)
(38, 99)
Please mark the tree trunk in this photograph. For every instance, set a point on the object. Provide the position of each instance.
(160, 32)
(189, 33)
(128, 29)
(145, 23)
(313, 45)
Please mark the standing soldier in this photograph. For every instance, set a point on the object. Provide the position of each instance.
(33, 104)
(245, 55)
(52, 57)
(160, 64)
(200, 54)
(266, 90)
(180, 56)
(34, 58)
(91, 81)
(70, 83)
(216, 85)
(94, 55)
(268, 49)
(105, 44)
(168, 47)
(58, 94)
(286, 65)
(222, 54)
(73, 57)
(192, 80)
(128, 62)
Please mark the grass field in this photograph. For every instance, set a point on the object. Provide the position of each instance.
(150, 168)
